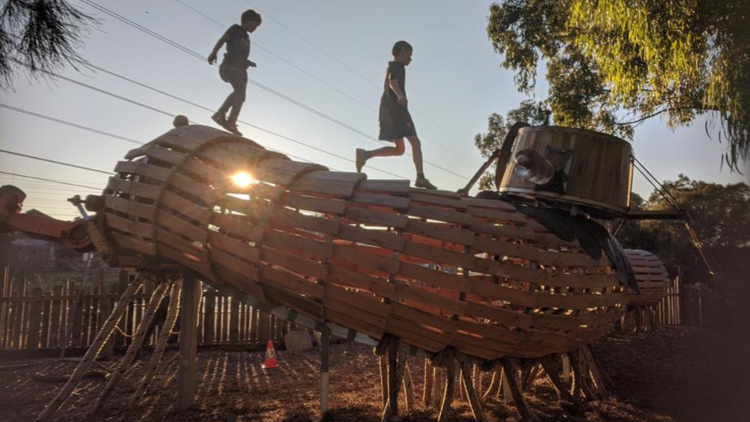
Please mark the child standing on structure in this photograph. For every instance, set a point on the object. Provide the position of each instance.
(233, 69)
(395, 120)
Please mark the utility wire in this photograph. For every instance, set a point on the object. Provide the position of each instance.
(51, 181)
(33, 157)
(67, 123)
(364, 78)
(363, 104)
(264, 87)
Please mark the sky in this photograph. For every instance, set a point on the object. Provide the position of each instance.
(329, 56)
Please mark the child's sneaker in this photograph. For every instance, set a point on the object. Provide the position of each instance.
(361, 159)
(220, 120)
(422, 182)
(232, 127)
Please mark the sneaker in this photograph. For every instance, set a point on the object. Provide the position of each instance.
(220, 120)
(232, 127)
(422, 182)
(361, 159)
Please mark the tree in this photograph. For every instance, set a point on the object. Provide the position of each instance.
(38, 36)
(720, 215)
(680, 58)
(497, 128)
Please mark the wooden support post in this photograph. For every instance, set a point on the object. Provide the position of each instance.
(186, 377)
(494, 386)
(471, 394)
(56, 317)
(566, 369)
(135, 345)
(394, 384)
(477, 376)
(91, 353)
(4, 294)
(234, 320)
(580, 375)
(511, 371)
(505, 387)
(553, 370)
(172, 312)
(383, 365)
(408, 386)
(35, 318)
(325, 356)
(428, 380)
(450, 380)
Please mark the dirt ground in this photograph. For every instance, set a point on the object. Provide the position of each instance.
(674, 374)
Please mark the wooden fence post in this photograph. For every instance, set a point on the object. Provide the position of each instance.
(234, 320)
(35, 318)
(4, 304)
(186, 377)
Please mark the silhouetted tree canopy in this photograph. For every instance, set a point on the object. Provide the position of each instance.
(41, 34)
(679, 58)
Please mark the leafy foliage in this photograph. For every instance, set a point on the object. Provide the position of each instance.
(498, 127)
(720, 214)
(41, 34)
(683, 58)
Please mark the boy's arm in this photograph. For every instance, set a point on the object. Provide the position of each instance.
(393, 84)
(212, 57)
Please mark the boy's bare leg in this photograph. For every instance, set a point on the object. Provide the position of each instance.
(416, 154)
(363, 156)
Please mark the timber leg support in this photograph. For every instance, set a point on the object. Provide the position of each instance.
(428, 382)
(135, 345)
(186, 375)
(511, 371)
(93, 350)
(471, 394)
(161, 343)
(450, 380)
(325, 355)
(554, 371)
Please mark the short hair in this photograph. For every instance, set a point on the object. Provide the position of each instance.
(400, 45)
(250, 15)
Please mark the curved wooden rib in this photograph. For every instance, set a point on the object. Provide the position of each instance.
(651, 276)
(374, 256)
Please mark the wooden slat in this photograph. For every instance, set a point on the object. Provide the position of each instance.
(130, 226)
(139, 246)
(130, 207)
(132, 188)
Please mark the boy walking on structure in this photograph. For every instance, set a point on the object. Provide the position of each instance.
(233, 68)
(395, 120)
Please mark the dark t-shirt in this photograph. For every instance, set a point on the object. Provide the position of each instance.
(389, 106)
(238, 46)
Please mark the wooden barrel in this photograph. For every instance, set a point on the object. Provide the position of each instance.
(651, 276)
(592, 170)
(375, 256)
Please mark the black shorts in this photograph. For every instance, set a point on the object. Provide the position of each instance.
(397, 126)
(234, 75)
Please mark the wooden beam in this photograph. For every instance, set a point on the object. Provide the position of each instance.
(186, 377)
(325, 355)
(655, 215)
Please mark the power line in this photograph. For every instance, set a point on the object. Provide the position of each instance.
(51, 181)
(364, 78)
(67, 123)
(264, 87)
(202, 107)
(33, 157)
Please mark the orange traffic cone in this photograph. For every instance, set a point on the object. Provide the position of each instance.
(270, 362)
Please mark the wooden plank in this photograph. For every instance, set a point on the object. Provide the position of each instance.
(390, 187)
(378, 218)
(234, 321)
(441, 231)
(180, 244)
(186, 375)
(541, 256)
(56, 322)
(423, 198)
(339, 184)
(141, 168)
(395, 202)
(35, 318)
(130, 207)
(182, 227)
(304, 246)
(142, 190)
(360, 258)
(185, 207)
(169, 156)
(209, 317)
(284, 218)
(438, 255)
(193, 187)
(139, 246)
(235, 264)
(4, 303)
(129, 226)
(373, 237)
(282, 172)
(439, 214)
(292, 282)
(295, 263)
(238, 248)
(309, 203)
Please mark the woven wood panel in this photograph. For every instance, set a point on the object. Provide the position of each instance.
(374, 256)
(651, 276)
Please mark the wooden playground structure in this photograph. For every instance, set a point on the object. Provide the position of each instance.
(517, 286)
